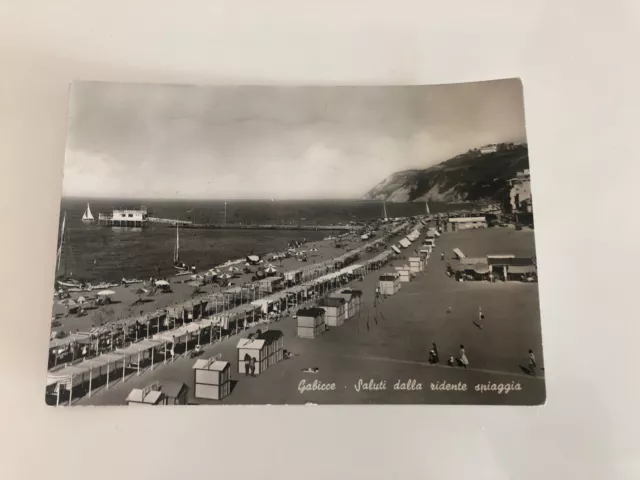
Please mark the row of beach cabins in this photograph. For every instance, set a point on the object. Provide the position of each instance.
(86, 361)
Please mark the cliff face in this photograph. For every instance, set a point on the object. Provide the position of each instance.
(472, 176)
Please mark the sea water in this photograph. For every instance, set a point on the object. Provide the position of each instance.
(98, 253)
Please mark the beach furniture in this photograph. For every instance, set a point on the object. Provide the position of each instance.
(212, 378)
(334, 308)
(311, 322)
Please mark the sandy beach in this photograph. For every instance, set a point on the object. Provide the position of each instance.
(122, 305)
(389, 345)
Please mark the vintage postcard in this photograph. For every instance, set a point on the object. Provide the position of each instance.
(296, 245)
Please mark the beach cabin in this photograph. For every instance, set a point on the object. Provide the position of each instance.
(270, 284)
(429, 242)
(416, 264)
(150, 395)
(274, 341)
(353, 299)
(405, 242)
(174, 393)
(404, 273)
(212, 378)
(334, 308)
(310, 322)
(389, 284)
(267, 348)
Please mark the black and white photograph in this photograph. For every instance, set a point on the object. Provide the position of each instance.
(280, 245)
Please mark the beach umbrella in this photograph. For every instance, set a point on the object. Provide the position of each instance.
(253, 258)
(159, 283)
(106, 293)
(271, 269)
(81, 300)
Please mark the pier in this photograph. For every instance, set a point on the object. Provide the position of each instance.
(236, 226)
(170, 221)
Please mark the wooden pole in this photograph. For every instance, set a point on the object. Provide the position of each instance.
(70, 389)
(152, 352)
(124, 367)
(138, 363)
(90, 380)
(108, 370)
(58, 395)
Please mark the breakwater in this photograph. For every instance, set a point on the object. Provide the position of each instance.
(230, 226)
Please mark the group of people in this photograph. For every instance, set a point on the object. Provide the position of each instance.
(434, 357)
(249, 365)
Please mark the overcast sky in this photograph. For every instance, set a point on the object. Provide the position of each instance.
(156, 141)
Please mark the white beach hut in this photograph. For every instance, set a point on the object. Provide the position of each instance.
(212, 378)
(352, 299)
(334, 308)
(389, 283)
(310, 322)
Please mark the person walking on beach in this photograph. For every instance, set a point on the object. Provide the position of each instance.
(442, 256)
(478, 323)
(463, 357)
(252, 364)
(436, 356)
(532, 363)
(247, 364)
(451, 361)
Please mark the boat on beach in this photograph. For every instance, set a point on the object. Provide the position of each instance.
(181, 267)
(131, 281)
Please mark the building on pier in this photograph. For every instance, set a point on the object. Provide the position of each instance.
(124, 217)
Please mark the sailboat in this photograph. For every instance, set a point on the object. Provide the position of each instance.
(384, 208)
(426, 206)
(62, 280)
(176, 253)
(87, 217)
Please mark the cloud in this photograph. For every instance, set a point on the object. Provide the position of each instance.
(257, 142)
